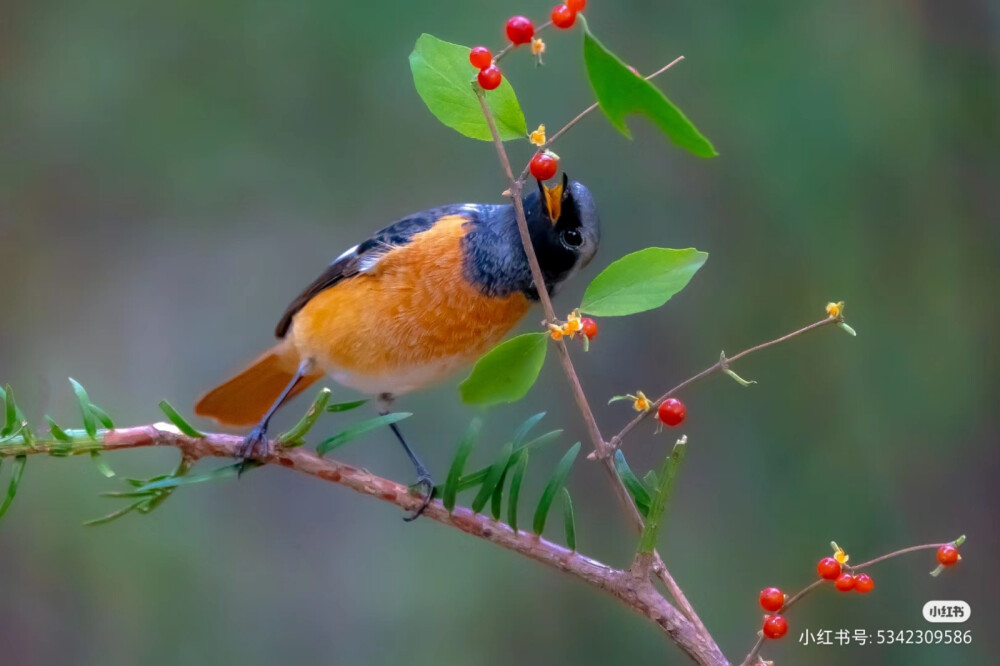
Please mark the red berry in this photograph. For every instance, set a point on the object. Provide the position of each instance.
(845, 582)
(563, 16)
(576, 5)
(863, 583)
(520, 29)
(828, 568)
(490, 77)
(589, 327)
(480, 57)
(671, 411)
(772, 599)
(543, 166)
(775, 626)
(947, 555)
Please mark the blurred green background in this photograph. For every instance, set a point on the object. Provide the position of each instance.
(172, 173)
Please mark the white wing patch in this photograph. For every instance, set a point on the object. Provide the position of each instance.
(345, 255)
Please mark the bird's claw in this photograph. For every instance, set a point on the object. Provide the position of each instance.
(425, 487)
(255, 445)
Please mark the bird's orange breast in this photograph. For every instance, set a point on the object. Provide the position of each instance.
(409, 321)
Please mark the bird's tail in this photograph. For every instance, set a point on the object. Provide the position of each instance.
(244, 399)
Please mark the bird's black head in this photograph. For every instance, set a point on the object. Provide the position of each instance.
(563, 225)
(565, 228)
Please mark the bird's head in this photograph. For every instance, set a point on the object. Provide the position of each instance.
(564, 226)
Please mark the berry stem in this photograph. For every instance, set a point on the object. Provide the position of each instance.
(720, 365)
(586, 112)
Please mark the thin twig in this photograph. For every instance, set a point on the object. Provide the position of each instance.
(600, 445)
(583, 114)
(722, 364)
(798, 596)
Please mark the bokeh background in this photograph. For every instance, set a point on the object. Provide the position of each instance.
(172, 173)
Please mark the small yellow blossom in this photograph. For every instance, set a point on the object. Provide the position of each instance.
(573, 323)
(640, 402)
(537, 46)
(835, 310)
(556, 332)
(839, 554)
(537, 138)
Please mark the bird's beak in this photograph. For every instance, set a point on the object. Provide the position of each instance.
(554, 197)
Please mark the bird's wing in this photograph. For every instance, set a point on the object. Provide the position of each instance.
(365, 256)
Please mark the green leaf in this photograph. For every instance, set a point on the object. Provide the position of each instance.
(552, 488)
(10, 411)
(496, 503)
(359, 429)
(569, 519)
(661, 496)
(522, 430)
(506, 372)
(458, 464)
(57, 432)
(444, 80)
(346, 406)
(226, 472)
(493, 477)
(89, 424)
(517, 477)
(650, 480)
(102, 466)
(178, 420)
(475, 478)
(15, 479)
(620, 92)
(102, 416)
(632, 483)
(296, 436)
(114, 515)
(542, 440)
(641, 281)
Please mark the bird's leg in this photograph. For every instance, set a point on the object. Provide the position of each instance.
(257, 436)
(424, 482)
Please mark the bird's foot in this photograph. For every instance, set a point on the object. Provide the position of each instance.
(423, 486)
(255, 446)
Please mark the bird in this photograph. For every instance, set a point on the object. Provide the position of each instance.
(418, 301)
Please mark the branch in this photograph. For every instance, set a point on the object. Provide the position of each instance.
(637, 594)
(721, 365)
(752, 656)
(601, 447)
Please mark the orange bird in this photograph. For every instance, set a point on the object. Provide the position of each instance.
(419, 300)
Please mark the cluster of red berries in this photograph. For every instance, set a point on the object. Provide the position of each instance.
(773, 600)
(830, 569)
(520, 30)
(489, 74)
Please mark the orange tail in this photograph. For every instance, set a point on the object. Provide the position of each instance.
(244, 399)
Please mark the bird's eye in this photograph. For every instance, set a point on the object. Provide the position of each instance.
(572, 237)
